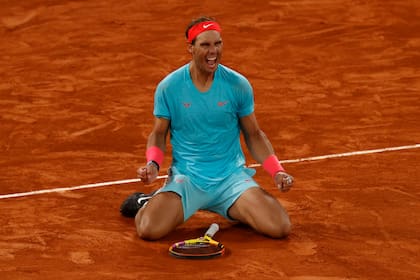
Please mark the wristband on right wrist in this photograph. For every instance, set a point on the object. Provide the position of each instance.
(155, 154)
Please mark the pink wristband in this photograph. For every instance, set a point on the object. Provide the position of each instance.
(154, 153)
(272, 165)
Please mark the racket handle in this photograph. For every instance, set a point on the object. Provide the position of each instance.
(212, 230)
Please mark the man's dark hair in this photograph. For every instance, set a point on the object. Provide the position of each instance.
(194, 22)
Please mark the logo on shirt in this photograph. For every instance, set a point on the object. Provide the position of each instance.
(186, 105)
(221, 103)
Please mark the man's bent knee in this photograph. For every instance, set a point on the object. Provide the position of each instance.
(145, 228)
(154, 221)
(278, 229)
(283, 230)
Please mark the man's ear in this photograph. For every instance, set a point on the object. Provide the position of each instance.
(189, 47)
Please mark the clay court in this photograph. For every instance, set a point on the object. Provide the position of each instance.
(337, 91)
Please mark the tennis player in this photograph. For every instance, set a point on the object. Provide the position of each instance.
(205, 106)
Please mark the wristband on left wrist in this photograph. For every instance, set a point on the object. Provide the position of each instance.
(272, 165)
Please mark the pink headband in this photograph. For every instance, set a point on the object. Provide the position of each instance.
(200, 27)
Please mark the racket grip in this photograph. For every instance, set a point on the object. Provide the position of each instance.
(212, 230)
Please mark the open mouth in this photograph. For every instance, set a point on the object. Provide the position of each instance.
(212, 62)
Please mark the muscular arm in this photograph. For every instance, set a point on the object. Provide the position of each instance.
(260, 148)
(157, 138)
(158, 135)
(256, 140)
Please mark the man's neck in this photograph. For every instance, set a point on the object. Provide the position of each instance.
(202, 80)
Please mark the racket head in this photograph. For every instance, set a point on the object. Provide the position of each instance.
(199, 248)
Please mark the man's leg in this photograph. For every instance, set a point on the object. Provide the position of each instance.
(132, 204)
(262, 212)
(162, 214)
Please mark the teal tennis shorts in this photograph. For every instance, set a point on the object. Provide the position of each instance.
(218, 198)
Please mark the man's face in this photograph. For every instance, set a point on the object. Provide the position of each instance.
(207, 51)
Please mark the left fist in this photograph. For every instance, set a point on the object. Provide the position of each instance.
(283, 181)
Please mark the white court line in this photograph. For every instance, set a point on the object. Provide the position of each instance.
(127, 181)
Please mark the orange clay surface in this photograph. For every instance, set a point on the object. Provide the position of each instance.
(76, 92)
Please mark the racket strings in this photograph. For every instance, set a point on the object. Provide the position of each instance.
(195, 245)
(203, 247)
(198, 248)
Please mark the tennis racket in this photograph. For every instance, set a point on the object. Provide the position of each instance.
(199, 248)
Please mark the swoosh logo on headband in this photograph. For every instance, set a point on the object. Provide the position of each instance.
(205, 26)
